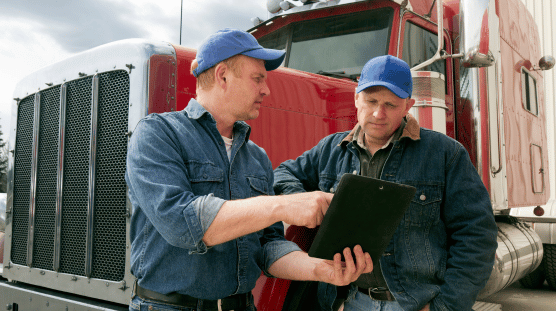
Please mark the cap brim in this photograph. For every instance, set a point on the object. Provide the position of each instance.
(394, 89)
(273, 58)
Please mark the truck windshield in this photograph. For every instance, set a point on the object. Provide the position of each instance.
(336, 45)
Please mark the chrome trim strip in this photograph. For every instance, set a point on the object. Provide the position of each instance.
(431, 104)
(92, 159)
(493, 168)
(537, 219)
(60, 178)
(33, 189)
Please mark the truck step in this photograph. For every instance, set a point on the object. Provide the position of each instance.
(486, 306)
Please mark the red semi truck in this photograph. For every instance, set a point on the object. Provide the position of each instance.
(478, 78)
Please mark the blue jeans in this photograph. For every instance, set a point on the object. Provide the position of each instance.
(362, 302)
(140, 304)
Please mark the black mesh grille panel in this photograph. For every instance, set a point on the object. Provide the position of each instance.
(110, 187)
(76, 171)
(109, 223)
(45, 202)
(22, 179)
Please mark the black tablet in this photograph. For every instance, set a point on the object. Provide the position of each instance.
(364, 211)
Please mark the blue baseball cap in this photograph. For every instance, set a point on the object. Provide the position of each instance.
(388, 71)
(229, 42)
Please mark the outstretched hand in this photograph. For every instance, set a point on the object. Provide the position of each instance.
(341, 273)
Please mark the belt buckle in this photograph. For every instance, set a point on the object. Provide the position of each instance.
(219, 305)
(376, 290)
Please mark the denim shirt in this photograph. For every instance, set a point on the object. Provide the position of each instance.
(442, 252)
(179, 175)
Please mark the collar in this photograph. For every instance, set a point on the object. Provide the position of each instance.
(195, 110)
(411, 130)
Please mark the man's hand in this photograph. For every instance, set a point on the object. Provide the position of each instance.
(426, 308)
(303, 209)
(343, 273)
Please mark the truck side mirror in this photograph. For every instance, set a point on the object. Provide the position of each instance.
(474, 33)
(546, 62)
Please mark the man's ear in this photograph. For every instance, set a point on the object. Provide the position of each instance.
(220, 75)
(410, 102)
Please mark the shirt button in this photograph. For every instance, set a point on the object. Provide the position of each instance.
(332, 190)
(422, 197)
(354, 172)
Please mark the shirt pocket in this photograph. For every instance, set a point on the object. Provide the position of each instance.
(425, 205)
(328, 184)
(259, 185)
(205, 177)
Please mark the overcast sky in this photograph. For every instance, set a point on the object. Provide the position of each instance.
(34, 33)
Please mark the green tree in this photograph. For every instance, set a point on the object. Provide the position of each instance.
(3, 163)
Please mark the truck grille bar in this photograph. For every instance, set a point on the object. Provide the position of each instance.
(60, 179)
(33, 187)
(70, 161)
(92, 159)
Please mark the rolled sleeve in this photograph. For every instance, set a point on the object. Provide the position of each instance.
(199, 217)
(275, 250)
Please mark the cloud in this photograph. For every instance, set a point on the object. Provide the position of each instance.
(79, 25)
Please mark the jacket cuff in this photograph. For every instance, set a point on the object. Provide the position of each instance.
(275, 250)
(199, 217)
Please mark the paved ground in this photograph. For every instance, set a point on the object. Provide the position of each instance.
(517, 298)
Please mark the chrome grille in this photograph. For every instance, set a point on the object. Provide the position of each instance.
(45, 210)
(109, 222)
(76, 172)
(22, 180)
(110, 190)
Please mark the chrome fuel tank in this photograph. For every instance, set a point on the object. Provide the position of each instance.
(519, 253)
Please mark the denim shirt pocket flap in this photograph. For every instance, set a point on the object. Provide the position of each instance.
(328, 184)
(425, 205)
(259, 185)
(204, 172)
(427, 195)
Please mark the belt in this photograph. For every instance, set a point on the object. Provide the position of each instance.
(378, 293)
(230, 303)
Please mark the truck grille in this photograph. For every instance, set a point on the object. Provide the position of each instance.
(109, 216)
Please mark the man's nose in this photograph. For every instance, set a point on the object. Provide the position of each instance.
(379, 112)
(265, 91)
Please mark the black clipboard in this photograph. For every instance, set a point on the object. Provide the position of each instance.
(364, 211)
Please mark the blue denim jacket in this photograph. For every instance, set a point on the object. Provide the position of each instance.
(443, 251)
(179, 175)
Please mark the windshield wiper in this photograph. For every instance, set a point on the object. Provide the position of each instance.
(338, 74)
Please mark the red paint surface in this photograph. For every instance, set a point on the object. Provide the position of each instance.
(162, 83)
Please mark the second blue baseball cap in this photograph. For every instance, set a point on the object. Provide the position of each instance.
(388, 71)
(229, 42)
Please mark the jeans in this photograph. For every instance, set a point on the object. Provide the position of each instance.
(362, 302)
(140, 304)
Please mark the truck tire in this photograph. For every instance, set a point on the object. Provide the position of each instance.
(534, 279)
(549, 264)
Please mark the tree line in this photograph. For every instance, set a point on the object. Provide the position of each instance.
(3, 163)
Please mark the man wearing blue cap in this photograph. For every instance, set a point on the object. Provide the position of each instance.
(204, 225)
(442, 253)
